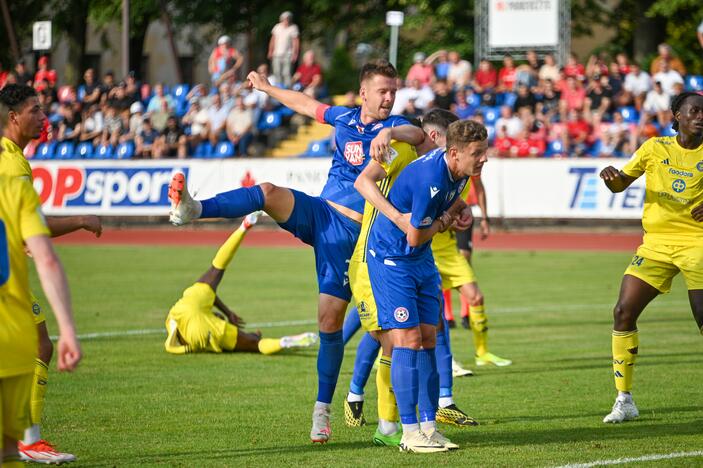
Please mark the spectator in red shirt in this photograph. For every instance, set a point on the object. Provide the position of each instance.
(502, 143)
(574, 68)
(420, 71)
(308, 76)
(486, 78)
(507, 75)
(224, 61)
(578, 132)
(573, 97)
(44, 73)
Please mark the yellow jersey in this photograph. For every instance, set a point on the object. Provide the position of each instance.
(446, 241)
(402, 154)
(674, 186)
(20, 219)
(12, 160)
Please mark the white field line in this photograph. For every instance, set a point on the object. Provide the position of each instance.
(645, 458)
(290, 323)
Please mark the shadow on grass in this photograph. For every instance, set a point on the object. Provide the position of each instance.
(598, 415)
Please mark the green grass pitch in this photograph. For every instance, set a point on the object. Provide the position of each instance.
(131, 404)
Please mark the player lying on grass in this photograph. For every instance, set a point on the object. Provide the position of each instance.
(22, 120)
(194, 327)
(374, 181)
(330, 222)
(404, 279)
(672, 221)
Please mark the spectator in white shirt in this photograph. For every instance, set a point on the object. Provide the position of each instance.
(657, 104)
(239, 126)
(637, 84)
(508, 121)
(284, 47)
(413, 100)
(459, 74)
(668, 77)
(217, 115)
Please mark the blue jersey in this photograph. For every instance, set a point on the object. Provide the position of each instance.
(352, 141)
(425, 189)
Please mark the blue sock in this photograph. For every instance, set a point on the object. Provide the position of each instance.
(352, 323)
(428, 394)
(365, 356)
(329, 361)
(444, 361)
(404, 379)
(233, 204)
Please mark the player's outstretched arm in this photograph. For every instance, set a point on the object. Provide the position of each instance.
(366, 184)
(616, 180)
(55, 285)
(299, 102)
(67, 224)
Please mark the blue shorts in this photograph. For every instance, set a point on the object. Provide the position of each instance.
(331, 234)
(406, 292)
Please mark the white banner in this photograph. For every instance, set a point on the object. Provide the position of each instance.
(523, 23)
(534, 188)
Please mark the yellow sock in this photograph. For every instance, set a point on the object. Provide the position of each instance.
(270, 345)
(228, 249)
(387, 408)
(12, 462)
(41, 376)
(625, 346)
(479, 327)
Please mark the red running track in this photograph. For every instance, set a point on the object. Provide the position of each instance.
(611, 242)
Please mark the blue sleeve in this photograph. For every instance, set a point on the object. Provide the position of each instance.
(427, 200)
(398, 120)
(333, 112)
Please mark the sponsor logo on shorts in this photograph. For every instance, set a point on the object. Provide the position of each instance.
(401, 314)
(679, 185)
(699, 166)
(676, 172)
(362, 306)
(354, 153)
(36, 308)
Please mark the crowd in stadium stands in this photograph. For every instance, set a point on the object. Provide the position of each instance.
(602, 108)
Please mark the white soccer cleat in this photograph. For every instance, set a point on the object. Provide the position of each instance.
(43, 452)
(321, 431)
(304, 340)
(438, 437)
(184, 209)
(418, 442)
(458, 371)
(624, 409)
(251, 219)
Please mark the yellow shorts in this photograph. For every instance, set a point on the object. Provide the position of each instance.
(14, 405)
(363, 295)
(200, 327)
(37, 312)
(453, 267)
(657, 265)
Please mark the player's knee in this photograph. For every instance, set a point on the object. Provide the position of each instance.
(429, 341)
(268, 189)
(623, 316)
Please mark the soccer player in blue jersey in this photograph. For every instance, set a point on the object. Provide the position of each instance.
(424, 200)
(330, 222)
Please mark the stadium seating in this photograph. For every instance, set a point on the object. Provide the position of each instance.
(180, 91)
(694, 83)
(490, 115)
(84, 150)
(103, 152)
(224, 149)
(318, 149)
(45, 151)
(554, 148)
(124, 150)
(629, 114)
(269, 121)
(203, 150)
(65, 150)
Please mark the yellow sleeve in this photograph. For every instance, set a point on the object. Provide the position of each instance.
(402, 154)
(636, 166)
(467, 189)
(32, 222)
(173, 345)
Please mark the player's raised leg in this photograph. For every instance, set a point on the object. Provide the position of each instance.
(635, 294)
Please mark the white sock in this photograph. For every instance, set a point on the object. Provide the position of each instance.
(428, 426)
(353, 397)
(407, 428)
(32, 434)
(445, 401)
(319, 404)
(624, 396)
(387, 427)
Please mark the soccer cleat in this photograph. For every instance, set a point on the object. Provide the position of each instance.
(354, 413)
(320, 432)
(392, 440)
(303, 340)
(490, 358)
(451, 323)
(418, 442)
(183, 208)
(624, 409)
(458, 371)
(43, 452)
(438, 437)
(465, 322)
(454, 416)
(251, 219)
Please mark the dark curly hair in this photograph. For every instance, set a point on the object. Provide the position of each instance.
(463, 132)
(440, 118)
(377, 67)
(676, 104)
(13, 96)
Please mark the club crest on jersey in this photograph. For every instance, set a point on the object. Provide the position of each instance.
(36, 309)
(401, 314)
(354, 153)
(699, 166)
(679, 185)
(360, 129)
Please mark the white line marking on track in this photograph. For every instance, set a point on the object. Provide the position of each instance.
(619, 461)
(291, 323)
